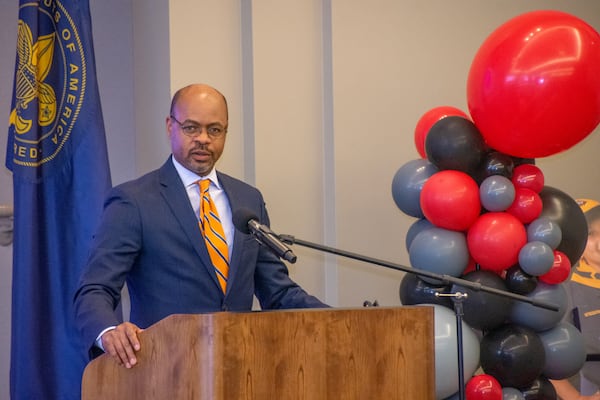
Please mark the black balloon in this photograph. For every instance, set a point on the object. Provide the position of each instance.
(455, 143)
(520, 161)
(540, 389)
(520, 282)
(512, 354)
(416, 291)
(562, 209)
(483, 310)
(496, 163)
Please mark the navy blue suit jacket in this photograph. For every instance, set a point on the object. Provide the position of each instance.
(149, 237)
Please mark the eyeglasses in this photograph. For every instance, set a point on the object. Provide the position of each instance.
(193, 130)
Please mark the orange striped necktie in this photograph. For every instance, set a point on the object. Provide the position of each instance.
(213, 233)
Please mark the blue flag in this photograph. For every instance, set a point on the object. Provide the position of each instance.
(57, 153)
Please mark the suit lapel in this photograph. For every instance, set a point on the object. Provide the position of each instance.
(176, 197)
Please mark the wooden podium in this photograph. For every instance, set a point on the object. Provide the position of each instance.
(368, 353)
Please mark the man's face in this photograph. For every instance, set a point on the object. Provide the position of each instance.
(206, 110)
(592, 248)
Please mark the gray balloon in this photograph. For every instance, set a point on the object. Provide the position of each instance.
(496, 193)
(446, 351)
(544, 230)
(440, 251)
(416, 228)
(509, 393)
(536, 258)
(407, 184)
(565, 351)
(537, 318)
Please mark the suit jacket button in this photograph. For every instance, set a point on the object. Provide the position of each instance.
(224, 307)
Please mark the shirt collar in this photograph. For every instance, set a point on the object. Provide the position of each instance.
(190, 178)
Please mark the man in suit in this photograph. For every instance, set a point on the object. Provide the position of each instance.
(151, 236)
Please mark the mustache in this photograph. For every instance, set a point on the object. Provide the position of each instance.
(200, 147)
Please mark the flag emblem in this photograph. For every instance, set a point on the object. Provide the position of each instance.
(50, 83)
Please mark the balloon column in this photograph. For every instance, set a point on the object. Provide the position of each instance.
(485, 214)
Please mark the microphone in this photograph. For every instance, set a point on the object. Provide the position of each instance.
(246, 221)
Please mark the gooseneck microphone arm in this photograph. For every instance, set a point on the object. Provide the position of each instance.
(446, 279)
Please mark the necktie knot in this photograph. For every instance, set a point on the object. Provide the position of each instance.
(204, 185)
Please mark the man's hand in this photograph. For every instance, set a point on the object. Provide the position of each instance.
(122, 343)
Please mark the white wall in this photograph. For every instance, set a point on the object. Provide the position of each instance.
(324, 97)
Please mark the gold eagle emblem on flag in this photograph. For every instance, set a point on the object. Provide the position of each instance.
(33, 64)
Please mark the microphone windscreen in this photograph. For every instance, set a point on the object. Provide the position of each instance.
(241, 217)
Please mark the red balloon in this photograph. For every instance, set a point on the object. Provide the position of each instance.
(527, 205)
(483, 387)
(495, 239)
(450, 200)
(533, 89)
(560, 271)
(528, 176)
(428, 119)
